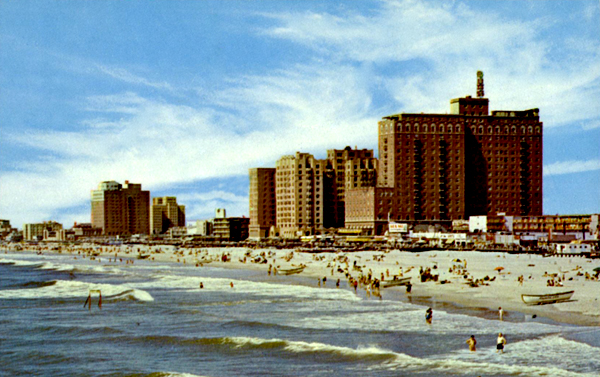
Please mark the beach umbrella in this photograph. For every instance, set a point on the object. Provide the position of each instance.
(596, 269)
(456, 260)
(499, 268)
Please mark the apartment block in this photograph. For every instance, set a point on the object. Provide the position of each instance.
(165, 214)
(351, 168)
(231, 228)
(35, 231)
(303, 195)
(262, 202)
(121, 209)
(469, 162)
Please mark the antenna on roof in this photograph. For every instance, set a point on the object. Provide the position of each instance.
(480, 84)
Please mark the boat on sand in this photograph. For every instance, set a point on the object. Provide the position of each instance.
(550, 298)
(291, 271)
(395, 283)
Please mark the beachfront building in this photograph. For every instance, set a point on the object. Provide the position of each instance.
(166, 213)
(351, 168)
(121, 209)
(444, 167)
(231, 228)
(303, 197)
(262, 202)
(367, 209)
(35, 231)
(5, 228)
(200, 228)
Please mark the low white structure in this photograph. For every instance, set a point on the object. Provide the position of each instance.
(572, 248)
(478, 224)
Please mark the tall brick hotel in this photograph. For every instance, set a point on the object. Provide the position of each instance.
(432, 168)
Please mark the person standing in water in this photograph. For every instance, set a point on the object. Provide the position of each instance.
(501, 313)
(429, 316)
(472, 343)
(500, 343)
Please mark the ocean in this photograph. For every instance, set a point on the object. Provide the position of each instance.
(155, 321)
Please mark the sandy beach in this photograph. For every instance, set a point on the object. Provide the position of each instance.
(487, 280)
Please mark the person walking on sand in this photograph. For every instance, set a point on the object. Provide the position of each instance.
(472, 343)
(429, 316)
(500, 343)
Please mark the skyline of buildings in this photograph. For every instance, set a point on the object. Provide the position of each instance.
(432, 168)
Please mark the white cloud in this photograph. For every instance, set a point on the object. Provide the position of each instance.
(128, 77)
(161, 144)
(449, 42)
(569, 167)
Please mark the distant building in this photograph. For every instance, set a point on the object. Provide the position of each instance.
(262, 202)
(310, 193)
(121, 209)
(553, 227)
(5, 228)
(445, 167)
(231, 228)
(220, 213)
(35, 231)
(200, 228)
(84, 230)
(166, 213)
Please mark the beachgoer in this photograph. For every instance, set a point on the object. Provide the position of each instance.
(408, 287)
(231, 284)
(472, 343)
(337, 284)
(429, 316)
(500, 342)
(201, 285)
(501, 313)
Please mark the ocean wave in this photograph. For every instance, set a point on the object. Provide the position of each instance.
(191, 283)
(171, 374)
(74, 289)
(546, 356)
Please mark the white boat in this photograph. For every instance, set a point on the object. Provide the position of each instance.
(550, 298)
(291, 271)
(394, 283)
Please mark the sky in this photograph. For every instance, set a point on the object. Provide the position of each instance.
(185, 96)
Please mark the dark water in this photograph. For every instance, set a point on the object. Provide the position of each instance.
(155, 321)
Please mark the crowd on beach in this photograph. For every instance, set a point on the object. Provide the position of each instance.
(441, 275)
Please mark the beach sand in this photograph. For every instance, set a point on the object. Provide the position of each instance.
(501, 288)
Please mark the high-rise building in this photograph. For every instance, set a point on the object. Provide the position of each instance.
(466, 163)
(301, 195)
(352, 168)
(165, 214)
(262, 202)
(121, 209)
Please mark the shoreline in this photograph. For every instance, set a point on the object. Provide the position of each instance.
(504, 290)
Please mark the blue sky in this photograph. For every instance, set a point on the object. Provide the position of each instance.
(185, 96)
